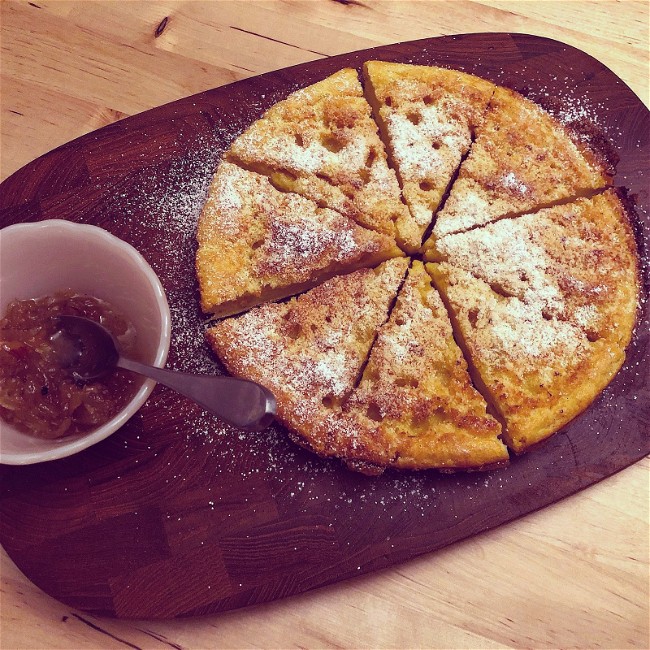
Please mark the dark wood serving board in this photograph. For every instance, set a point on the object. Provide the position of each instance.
(177, 514)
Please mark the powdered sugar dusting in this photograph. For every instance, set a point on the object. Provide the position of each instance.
(522, 333)
(330, 372)
(511, 182)
(327, 148)
(467, 206)
(226, 199)
(306, 348)
(255, 238)
(503, 253)
(413, 136)
(298, 246)
(547, 259)
(165, 203)
(398, 340)
(507, 332)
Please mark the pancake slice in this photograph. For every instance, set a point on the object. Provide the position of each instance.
(427, 116)
(309, 351)
(539, 372)
(522, 160)
(322, 143)
(258, 244)
(577, 262)
(416, 386)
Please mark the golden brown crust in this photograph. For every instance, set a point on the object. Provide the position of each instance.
(321, 142)
(258, 244)
(539, 372)
(542, 305)
(522, 160)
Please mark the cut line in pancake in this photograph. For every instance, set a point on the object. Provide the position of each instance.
(256, 244)
(427, 117)
(539, 373)
(522, 160)
(322, 142)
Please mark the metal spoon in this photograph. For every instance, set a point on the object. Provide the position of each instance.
(89, 351)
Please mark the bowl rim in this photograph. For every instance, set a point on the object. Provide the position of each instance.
(62, 448)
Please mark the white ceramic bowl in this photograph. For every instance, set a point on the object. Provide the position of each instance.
(39, 259)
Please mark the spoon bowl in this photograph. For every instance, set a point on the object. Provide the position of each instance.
(85, 347)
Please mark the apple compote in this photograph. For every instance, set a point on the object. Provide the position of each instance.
(40, 397)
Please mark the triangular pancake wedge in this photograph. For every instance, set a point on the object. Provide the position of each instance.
(321, 142)
(258, 244)
(427, 116)
(577, 261)
(521, 161)
(309, 351)
(416, 386)
(538, 372)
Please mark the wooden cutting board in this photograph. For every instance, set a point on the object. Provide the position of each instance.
(177, 514)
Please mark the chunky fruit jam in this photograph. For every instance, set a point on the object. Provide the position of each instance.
(37, 395)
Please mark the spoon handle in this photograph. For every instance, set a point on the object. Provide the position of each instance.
(242, 403)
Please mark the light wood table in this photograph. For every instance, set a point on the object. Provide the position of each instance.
(572, 575)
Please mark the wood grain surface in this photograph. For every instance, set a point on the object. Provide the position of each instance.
(574, 574)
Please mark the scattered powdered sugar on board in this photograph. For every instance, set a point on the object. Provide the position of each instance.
(163, 205)
(188, 351)
(317, 485)
(298, 476)
(168, 202)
